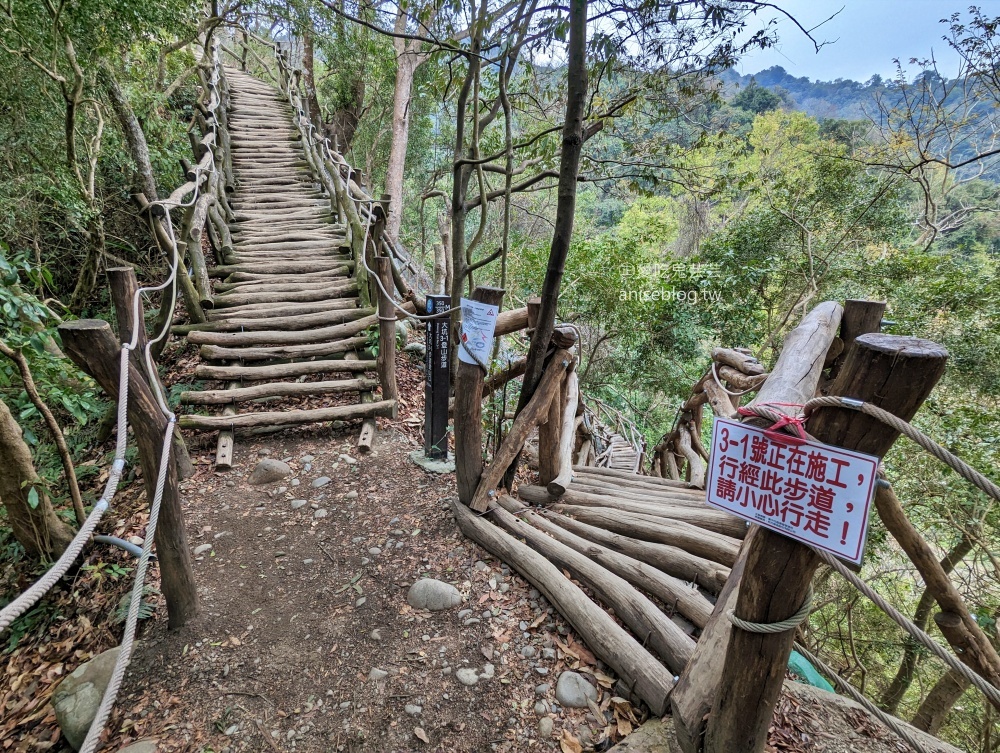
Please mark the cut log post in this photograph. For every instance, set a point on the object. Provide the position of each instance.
(526, 420)
(895, 373)
(567, 436)
(91, 346)
(549, 434)
(386, 359)
(692, 697)
(639, 670)
(642, 616)
(366, 437)
(860, 318)
(225, 444)
(798, 372)
(469, 414)
(124, 286)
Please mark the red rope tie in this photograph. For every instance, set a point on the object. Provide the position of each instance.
(793, 423)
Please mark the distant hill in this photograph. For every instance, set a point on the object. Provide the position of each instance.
(841, 98)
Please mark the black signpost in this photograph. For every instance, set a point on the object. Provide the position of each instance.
(436, 392)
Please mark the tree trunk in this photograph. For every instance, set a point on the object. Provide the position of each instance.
(87, 278)
(912, 650)
(408, 59)
(37, 529)
(569, 168)
(143, 181)
(931, 715)
(309, 78)
(442, 256)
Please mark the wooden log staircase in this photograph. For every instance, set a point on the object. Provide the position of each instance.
(284, 318)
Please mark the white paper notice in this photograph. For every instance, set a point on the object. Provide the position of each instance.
(811, 492)
(479, 321)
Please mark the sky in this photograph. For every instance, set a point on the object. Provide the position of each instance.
(864, 37)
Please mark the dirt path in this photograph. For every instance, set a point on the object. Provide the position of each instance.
(304, 608)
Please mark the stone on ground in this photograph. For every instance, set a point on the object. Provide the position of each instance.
(467, 676)
(573, 691)
(431, 465)
(143, 746)
(77, 698)
(433, 595)
(268, 471)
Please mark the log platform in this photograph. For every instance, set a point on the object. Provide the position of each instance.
(285, 313)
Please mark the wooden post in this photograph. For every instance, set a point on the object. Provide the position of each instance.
(386, 362)
(798, 368)
(91, 346)
(469, 413)
(123, 285)
(549, 434)
(534, 413)
(567, 436)
(373, 245)
(534, 305)
(860, 318)
(894, 373)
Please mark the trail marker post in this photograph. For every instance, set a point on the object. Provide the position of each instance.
(437, 358)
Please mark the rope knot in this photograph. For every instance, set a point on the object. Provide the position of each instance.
(793, 423)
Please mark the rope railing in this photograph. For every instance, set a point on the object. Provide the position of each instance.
(160, 214)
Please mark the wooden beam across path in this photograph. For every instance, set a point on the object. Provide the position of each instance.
(382, 408)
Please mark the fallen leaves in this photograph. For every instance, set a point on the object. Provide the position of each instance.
(568, 743)
(421, 735)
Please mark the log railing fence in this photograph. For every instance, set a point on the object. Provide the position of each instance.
(608, 529)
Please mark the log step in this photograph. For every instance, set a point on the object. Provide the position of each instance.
(383, 408)
(280, 370)
(276, 389)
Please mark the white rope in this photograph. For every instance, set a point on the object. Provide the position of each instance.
(772, 628)
(912, 630)
(131, 623)
(26, 600)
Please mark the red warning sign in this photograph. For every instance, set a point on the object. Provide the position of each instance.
(811, 492)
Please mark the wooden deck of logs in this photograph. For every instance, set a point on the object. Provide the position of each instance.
(286, 305)
(639, 565)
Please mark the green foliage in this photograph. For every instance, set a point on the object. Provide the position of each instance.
(147, 607)
(29, 325)
(756, 99)
(36, 618)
